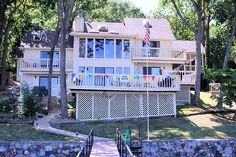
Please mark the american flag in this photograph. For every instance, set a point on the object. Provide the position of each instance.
(147, 36)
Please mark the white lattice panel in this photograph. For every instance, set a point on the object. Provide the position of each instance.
(117, 105)
(85, 106)
(133, 105)
(101, 105)
(183, 96)
(153, 104)
(112, 105)
(166, 102)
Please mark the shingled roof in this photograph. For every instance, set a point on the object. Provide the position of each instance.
(185, 45)
(41, 39)
(131, 27)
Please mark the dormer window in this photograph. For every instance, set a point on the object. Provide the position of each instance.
(102, 28)
(37, 36)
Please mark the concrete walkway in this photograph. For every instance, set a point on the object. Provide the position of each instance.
(104, 149)
(44, 124)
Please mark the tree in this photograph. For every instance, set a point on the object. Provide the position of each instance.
(227, 15)
(167, 11)
(198, 31)
(12, 6)
(113, 11)
(64, 14)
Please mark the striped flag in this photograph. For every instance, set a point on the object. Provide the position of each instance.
(147, 36)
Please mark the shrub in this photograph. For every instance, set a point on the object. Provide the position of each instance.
(72, 108)
(227, 78)
(6, 105)
(31, 101)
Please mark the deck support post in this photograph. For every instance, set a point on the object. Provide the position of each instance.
(174, 102)
(77, 106)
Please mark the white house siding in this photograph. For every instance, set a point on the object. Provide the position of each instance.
(30, 79)
(96, 105)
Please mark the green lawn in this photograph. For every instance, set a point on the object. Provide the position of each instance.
(25, 132)
(192, 127)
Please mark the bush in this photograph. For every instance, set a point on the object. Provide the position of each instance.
(31, 101)
(72, 108)
(6, 105)
(227, 78)
(39, 91)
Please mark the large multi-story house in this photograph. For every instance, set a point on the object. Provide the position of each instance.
(112, 71)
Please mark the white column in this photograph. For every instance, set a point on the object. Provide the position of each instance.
(109, 107)
(77, 106)
(141, 104)
(92, 105)
(174, 102)
(126, 104)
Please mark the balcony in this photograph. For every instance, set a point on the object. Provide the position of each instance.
(113, 82)
(42, 65)
(157, 53)
(185, 77)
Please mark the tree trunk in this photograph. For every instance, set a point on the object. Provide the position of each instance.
(229, 41)
(64, 14)
(50, 79)
(63, 89)
(198, 36)
(51, 54)
(4, 57)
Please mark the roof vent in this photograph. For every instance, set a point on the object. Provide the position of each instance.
(37, 36)
(113, 32)
(102, 28)
(93, 31)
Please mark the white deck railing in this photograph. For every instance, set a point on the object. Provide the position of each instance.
(42, 64)
(123, 82)
(185, 77)
(156, 53)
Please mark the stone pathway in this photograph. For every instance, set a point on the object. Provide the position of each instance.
(44, 124)
(104, 149)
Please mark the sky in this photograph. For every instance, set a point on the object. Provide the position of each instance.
(146, 5)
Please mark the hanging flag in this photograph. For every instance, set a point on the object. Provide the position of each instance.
(145, 77)
(147, 36)
(81, 75)
(153, 77)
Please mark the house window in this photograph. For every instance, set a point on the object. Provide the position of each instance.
(126, 70)
(99, 48)
(118, 48)
(90, 48)
(126, 44)
(109, 48)
(89, 69)
(82, 47)
(43, 83)
(81, 69)
(153, 44)
(104, 70)
(154, 49)
(152, 71)
(44, 59)
(118, 70)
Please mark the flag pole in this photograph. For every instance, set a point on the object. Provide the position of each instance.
(147, 40)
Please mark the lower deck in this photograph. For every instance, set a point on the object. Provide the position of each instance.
(94, 105)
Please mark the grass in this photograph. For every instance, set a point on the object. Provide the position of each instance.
(25, 132)
(192, 127)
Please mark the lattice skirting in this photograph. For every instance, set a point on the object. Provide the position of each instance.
(183, 96)
(93, 105)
